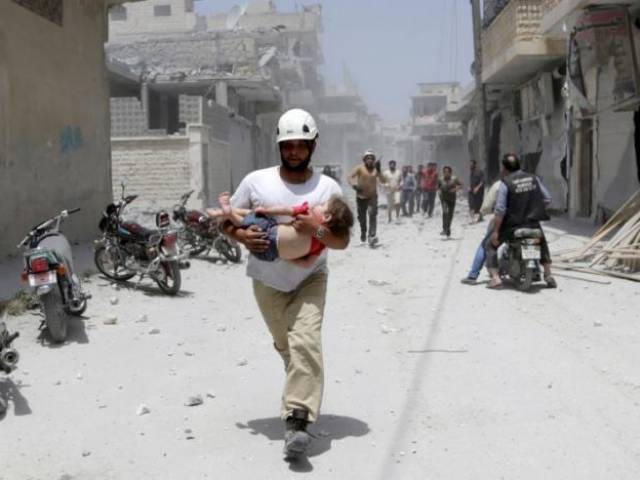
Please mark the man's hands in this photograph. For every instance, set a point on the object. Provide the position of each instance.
(253, 238)
(495, 239)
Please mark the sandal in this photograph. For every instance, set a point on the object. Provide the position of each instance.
(494, 286)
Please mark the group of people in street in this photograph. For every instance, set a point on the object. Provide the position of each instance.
(289, 216)
(408, 193)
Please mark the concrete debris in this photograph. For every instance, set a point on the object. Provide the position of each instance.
(86, 453)
(142, 319)
(190, 354)
(154, 331)
(211, 394)
(378, 283)
(79, 376)
(381, 311)
(110, 320)
(113, 300)
(142, 410)
(243, 362)
(597, 324)
(221, 328)
(387, 329)
(194, 401)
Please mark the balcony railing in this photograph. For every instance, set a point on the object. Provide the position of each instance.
(514, 38)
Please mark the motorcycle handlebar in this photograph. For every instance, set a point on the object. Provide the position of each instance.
(74, 210)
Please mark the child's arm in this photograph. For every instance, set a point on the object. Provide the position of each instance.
(275, 211)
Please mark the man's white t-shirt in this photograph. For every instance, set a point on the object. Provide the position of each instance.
(265, 188)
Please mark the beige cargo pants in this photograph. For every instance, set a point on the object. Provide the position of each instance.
(295, 322)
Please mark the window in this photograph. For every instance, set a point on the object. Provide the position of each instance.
(188, 6)
(118, 13)
(50, 9)
(162, 11)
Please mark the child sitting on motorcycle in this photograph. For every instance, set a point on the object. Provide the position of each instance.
(285, 242)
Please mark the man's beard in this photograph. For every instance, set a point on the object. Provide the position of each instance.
(301, 167)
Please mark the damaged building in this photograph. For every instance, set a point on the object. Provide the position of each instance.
(195, 100)
(439, 138)
(561, 85)
(54, 115)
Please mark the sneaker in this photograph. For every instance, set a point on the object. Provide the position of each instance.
(469, 281)
(442, 233)
(296, 437)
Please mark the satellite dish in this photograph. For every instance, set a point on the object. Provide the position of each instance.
(234, 16)
(268, 55)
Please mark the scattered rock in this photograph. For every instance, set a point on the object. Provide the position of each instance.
(211, 394)
(221, 328)
(190, 354)
(194, 401)
(86, 453)
(142, 319)
(378, 283)
(79, 376)
(243, 362)
(142, 410)
(113, 300)
(381, 311)
(110, 320)
(387, 329)
(597, 324)
(154, 331)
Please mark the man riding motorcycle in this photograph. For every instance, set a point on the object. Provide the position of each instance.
(522, 203)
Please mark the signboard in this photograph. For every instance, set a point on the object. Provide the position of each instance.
(603, 36)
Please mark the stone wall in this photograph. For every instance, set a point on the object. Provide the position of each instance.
(157, 169)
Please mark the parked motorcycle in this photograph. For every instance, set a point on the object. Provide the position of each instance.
(519, 258)
(199, 233)
(49, 271)
(127, 249)
(8, 356)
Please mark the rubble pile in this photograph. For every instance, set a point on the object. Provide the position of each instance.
(614, 249)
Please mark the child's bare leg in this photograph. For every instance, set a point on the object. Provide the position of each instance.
(215, 212)
(235, 215)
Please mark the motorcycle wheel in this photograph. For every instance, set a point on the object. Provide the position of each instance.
(55, 316)
(105, 264)
(189, 244)
(170, 279)
(229, 249)
(525, 281)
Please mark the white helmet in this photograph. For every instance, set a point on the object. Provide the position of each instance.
(369, 153)
(297, 124)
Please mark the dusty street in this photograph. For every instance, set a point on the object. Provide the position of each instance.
(425, 378)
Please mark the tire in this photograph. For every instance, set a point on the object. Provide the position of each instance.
(102, 258)
(188, 243)
(55, 316)
(172, 271)
(525, 281)
(229, 249)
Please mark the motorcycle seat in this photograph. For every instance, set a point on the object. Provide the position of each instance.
(138, 230)
(528, 233)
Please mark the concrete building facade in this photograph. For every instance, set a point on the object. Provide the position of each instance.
(54, 147)
(217, 85)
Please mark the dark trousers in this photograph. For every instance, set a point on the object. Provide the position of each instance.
(475, 201)
(406, 200)
(448, 208)
(492, 251)
(417, 200)
(367, 209)
(428, 202)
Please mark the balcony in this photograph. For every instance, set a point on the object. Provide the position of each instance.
(430, 129)
(513, 47)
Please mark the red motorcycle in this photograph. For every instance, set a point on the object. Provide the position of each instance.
(199, 233)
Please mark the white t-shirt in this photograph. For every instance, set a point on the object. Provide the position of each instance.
(265, 188)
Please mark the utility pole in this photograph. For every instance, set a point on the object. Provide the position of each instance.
(481, 97)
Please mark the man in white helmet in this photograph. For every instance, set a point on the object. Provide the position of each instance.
(291, 298)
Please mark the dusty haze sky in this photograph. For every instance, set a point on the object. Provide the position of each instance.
(388, 45)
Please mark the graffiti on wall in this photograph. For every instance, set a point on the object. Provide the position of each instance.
(52, 10)
(71, 139)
